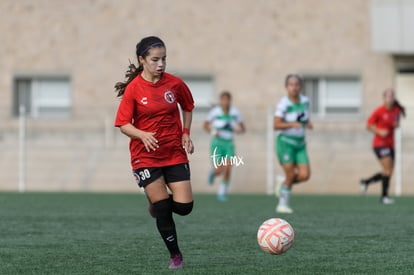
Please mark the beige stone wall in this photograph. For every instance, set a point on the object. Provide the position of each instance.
(248, 46)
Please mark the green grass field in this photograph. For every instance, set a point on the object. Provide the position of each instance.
(77, 233)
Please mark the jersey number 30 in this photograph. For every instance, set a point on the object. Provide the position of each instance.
(144, 174)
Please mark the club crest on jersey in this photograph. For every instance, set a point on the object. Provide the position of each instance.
(137, 178)
(169, 96)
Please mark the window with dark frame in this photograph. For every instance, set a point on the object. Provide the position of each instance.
(334, 96)
(42, 96)
(202, 89)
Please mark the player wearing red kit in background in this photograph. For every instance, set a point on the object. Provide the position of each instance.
(149, 115)
(382, 123)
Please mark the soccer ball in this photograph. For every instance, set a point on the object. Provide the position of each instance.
(275, 236)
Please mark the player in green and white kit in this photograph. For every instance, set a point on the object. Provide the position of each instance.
(222, 122)
(292, 118)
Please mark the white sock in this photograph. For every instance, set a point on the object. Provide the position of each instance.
(284, 196)
(222, 189)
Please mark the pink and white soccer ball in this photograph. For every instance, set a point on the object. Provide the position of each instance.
(275, 236)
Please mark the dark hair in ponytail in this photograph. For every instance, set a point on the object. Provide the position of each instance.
(399, 106)
(142, 49)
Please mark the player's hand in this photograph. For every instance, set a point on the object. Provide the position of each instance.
(382, 132)
(309, 125)
(238, 129)
(150, 142)
(187, 144)
(214, 133)
(297, 125)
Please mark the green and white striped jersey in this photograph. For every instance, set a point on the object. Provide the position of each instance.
(293, 112)
(223, 124)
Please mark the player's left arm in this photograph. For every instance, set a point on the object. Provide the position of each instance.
(397, 120)
(243, 128)
(309, 125)
(239, 128)
(186, 101)
(186, 140)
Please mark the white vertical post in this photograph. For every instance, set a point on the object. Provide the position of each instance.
(398, 161)
(270, 177)
(322, 86)
(22, 148)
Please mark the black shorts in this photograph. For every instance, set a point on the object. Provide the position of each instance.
(382, 152)
(173, 173)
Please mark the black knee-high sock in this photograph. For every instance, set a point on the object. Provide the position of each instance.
(166, 225)
(376, 177)
(385, 185)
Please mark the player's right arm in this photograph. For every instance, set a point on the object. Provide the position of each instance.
(124, 118)
(147, 138)
(207, 123)
(280, 124)
(207, 126)
(372, 127)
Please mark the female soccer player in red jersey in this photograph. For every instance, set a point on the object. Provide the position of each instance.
(148, 113)
(382, 123)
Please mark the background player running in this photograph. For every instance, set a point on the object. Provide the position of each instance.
(382, 123)
(291, 118)
(222, 122)
(149, 115)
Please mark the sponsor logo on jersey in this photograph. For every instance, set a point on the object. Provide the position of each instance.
(169, 96)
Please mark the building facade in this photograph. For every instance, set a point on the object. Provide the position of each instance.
(61, 59)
